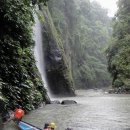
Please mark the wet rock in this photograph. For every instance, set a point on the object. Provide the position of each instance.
(110, 91)
(2, 112)
(69, 129)
(48, 100)
(55, 102)
(64, 102)
(58, 73)
(120, 90)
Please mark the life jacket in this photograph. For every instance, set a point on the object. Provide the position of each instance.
(19, 113)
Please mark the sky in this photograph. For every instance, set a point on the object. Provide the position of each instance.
(110, 5)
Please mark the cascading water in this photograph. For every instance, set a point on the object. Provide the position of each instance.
(38, 52)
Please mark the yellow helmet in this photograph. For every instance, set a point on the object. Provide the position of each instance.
(52, 125)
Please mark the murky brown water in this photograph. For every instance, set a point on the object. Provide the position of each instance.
(94, 111)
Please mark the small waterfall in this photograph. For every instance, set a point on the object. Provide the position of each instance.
(38, 51)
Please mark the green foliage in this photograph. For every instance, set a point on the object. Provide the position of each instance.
(18, 72)
(85, 30)
(119, 50)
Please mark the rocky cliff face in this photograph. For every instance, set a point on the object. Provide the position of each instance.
(57, 69)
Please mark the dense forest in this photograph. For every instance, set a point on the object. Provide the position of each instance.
(20, 81)
(84, 28)
(118, 53)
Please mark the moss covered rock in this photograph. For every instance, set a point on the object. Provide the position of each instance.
(58, 72)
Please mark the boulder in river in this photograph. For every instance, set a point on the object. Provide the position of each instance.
(64, 102)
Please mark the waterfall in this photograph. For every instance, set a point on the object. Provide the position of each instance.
(38, 52)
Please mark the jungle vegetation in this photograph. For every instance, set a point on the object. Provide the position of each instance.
(20, 82)
(118, 53)
(84, 28)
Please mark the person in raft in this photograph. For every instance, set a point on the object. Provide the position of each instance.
(50, 126)
(46, 126)
(18, 114)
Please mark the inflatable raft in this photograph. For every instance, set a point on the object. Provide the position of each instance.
(26, 126)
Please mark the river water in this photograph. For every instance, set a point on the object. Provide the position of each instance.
(95, 111)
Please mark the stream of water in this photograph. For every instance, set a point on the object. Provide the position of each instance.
(95, 111)
(39, 53)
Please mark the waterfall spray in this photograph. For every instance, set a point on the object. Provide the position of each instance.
(38, 52)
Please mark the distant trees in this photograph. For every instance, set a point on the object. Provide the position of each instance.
(118, 52)
(85, 29)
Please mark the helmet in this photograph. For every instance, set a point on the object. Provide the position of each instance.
(19, 113)
(52, 125)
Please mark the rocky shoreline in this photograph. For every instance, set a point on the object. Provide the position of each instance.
(120, 90)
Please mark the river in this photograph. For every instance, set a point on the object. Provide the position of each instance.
(95, 111)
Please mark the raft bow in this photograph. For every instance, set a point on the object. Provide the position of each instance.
(27, 126)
